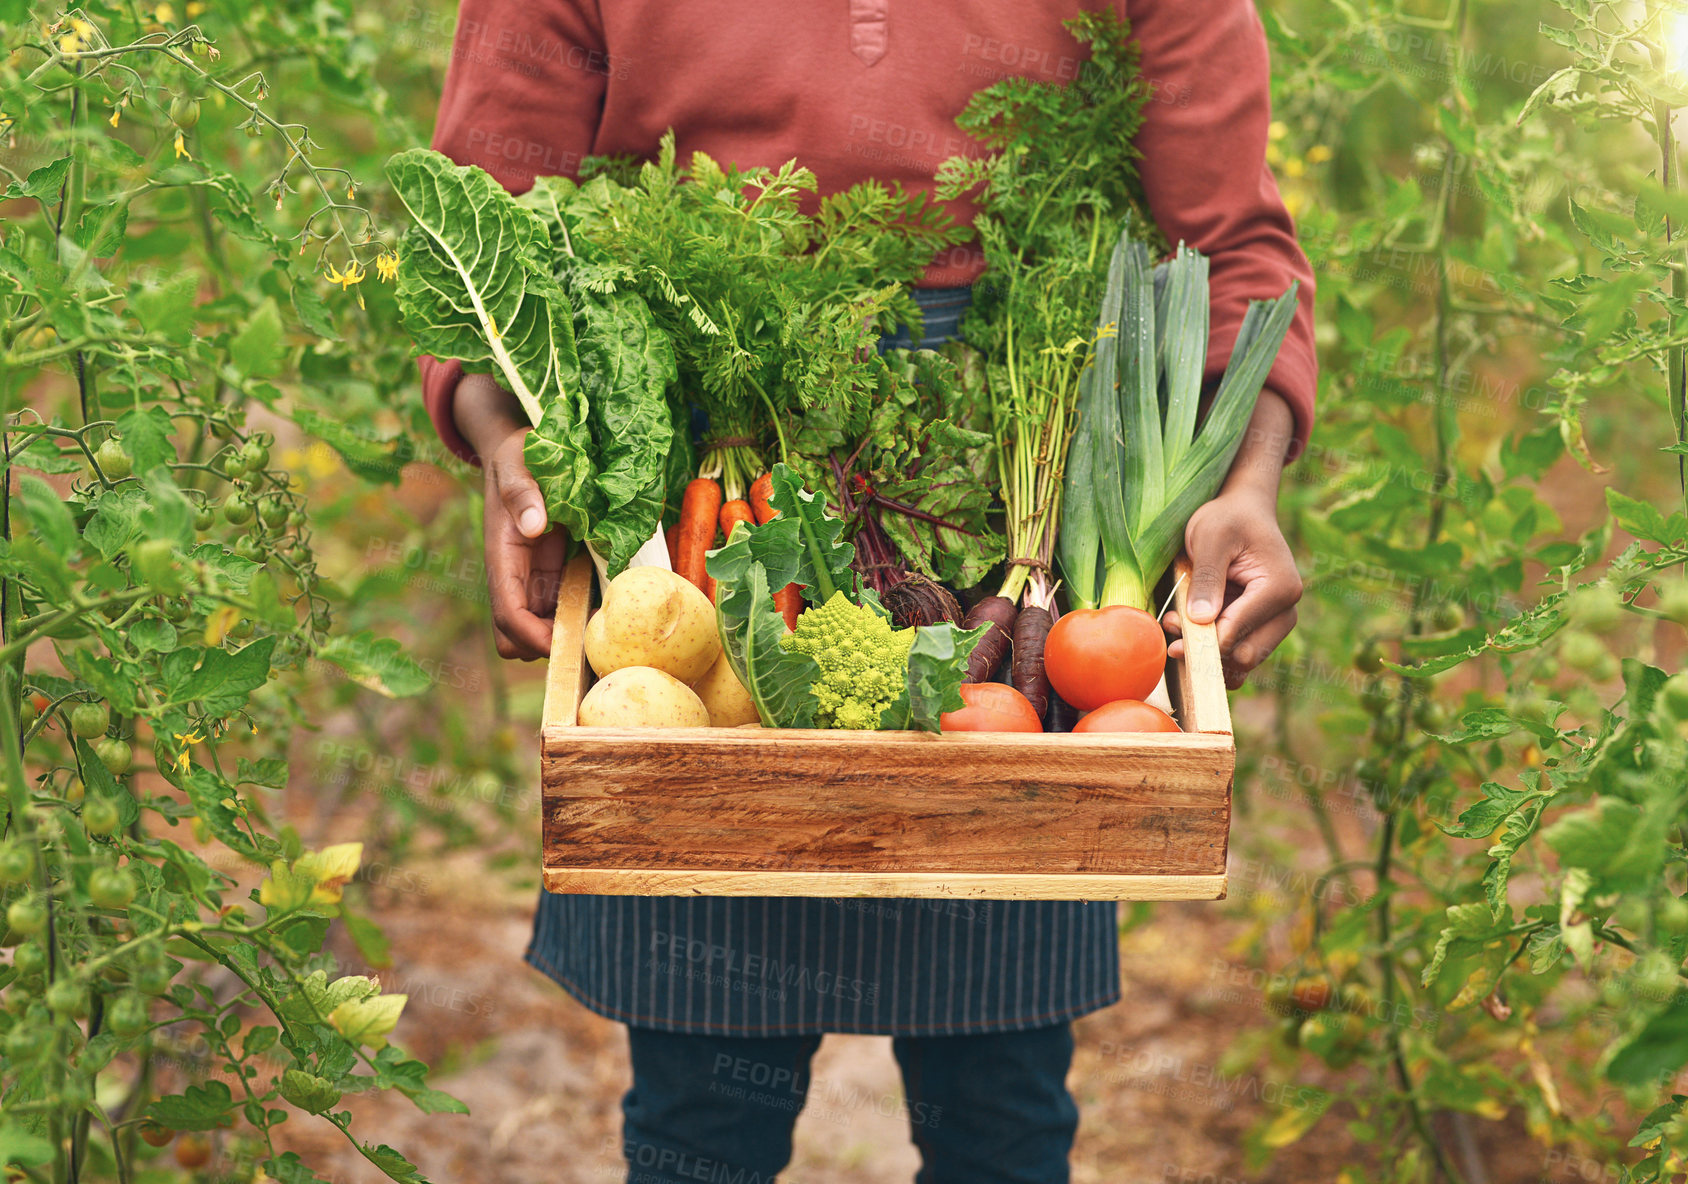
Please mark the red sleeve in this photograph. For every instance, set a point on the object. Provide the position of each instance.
(522, 99)
(1204, 170)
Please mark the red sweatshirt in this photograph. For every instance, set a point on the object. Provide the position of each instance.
(854, 90)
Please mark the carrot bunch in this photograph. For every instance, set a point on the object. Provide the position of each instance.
(702, 515)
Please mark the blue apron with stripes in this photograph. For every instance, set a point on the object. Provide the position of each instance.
(775, 966)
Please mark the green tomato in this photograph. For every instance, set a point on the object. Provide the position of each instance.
(248, 547)
(100, 816)
(88, 720)
(254, 456)
(1430, 715)
(1447, 616)
(1375, 699)
(26, 1041)
(272, 512)
(237, 511)
(16, 863)
(295, 518)
(233, 466)
(113, 461)
(127, 1016)
(205, 515)
(1369, 658)
(30, 958)
(299, 554)
(153, 978)
(1673, 698)
(1596, 607)
(1580, 650)
(1673, 602)
(26, 916)
(176, 609)
(67, 998)
(74, 790)
(114, 754)
(28, 712)
(1671, 915)
(111, 887)
(184, 111)
(241, 628)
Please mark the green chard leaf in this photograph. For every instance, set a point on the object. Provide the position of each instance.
(747, 570)
(475, 281)
(937, 666)
(823, 563)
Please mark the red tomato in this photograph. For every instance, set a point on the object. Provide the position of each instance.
(1097, 655)
(991, 707)
(1126, 715)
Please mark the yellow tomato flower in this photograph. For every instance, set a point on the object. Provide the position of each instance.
(354, 274)
(1277, 130)
(386, 265)
(1318, 154)
(164, 14)
(1293, 167)
(181, 147)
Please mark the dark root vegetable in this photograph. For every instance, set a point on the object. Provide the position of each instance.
(916, 600)
(1030, 629)
(1061, 715)
(998, 612)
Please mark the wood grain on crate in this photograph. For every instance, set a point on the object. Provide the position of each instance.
(932, 885)
(821, 813)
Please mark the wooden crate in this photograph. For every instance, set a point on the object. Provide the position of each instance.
(788, 812)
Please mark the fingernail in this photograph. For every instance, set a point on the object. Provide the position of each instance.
(532, 521)
(1200, 608)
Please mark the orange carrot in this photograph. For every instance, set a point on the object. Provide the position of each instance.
(760, 490)
(698, 510)
(789, 599)
(732, 514)
(672, 536)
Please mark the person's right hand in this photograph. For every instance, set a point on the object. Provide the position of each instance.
(524, 561)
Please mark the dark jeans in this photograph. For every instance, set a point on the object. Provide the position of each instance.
(988, 1109)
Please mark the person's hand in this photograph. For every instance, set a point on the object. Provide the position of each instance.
(524, 561)
(1243, 573)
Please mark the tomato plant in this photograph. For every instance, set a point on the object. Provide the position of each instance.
(1475, 713)
(169, 318)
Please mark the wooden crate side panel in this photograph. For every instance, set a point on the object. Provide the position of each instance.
(941, 885)
(1198, 678)
(567, 675)
(848, 802)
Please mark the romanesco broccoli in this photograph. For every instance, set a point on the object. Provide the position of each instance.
(864, 663)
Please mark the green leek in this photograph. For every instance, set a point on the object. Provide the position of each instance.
(1139, 465)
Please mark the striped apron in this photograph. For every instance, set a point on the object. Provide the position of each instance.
(776, 966)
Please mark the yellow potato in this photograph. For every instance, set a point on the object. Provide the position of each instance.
(724, 695)
(641, 697)
(653, 617)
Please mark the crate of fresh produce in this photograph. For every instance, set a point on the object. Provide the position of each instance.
(891, 624)
(842, 812)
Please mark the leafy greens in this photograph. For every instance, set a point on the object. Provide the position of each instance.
(492, 280)
(803, 545)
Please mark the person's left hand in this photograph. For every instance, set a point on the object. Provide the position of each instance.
(1243, 574)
